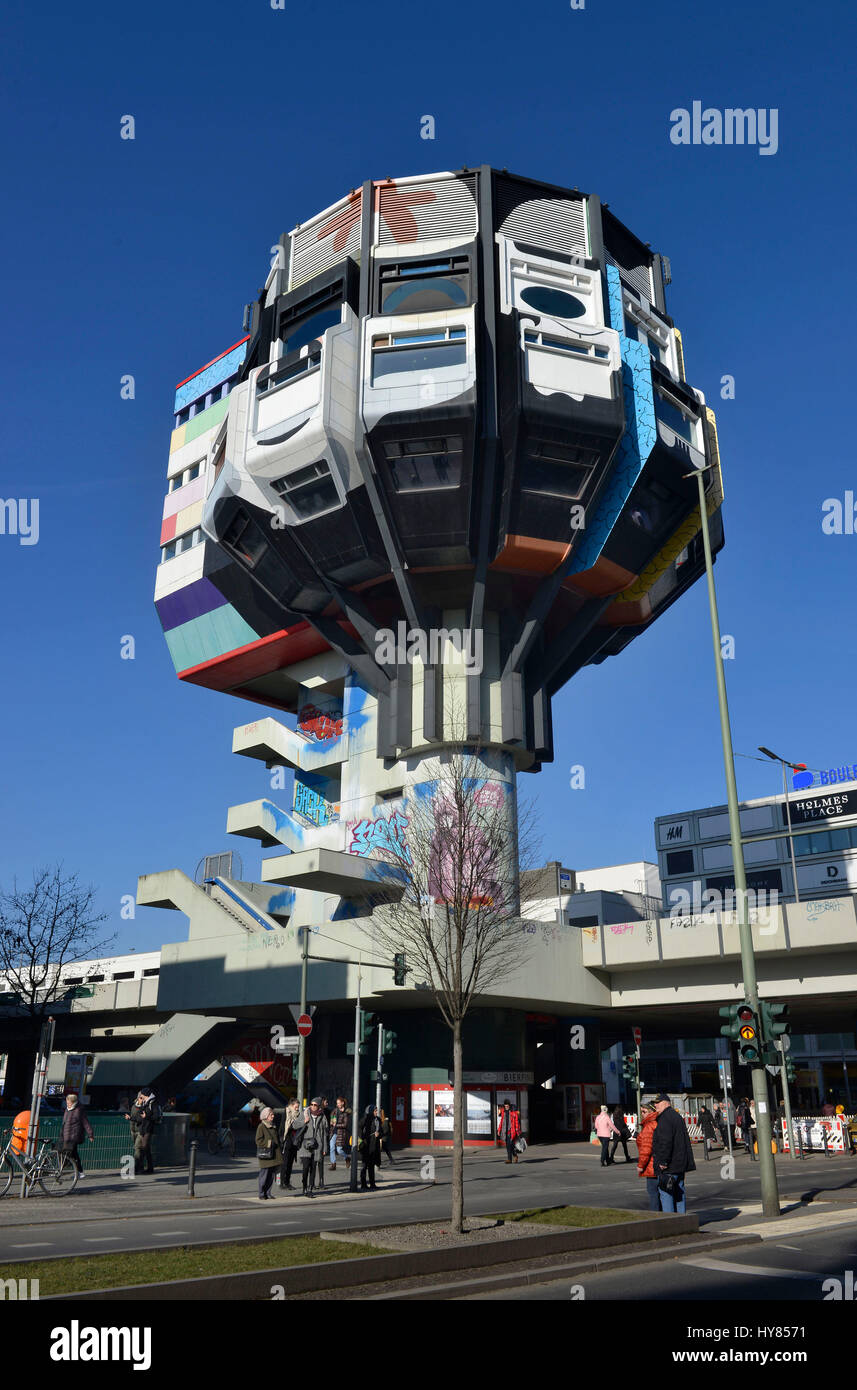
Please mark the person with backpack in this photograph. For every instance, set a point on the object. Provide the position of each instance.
(268, 1152)
(672, 1156)
(622, 1135)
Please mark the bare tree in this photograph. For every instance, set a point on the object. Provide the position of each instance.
(44, 926)
(458, 919)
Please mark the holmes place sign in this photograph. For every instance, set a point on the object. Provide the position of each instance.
(499, 1078)
(813, 808)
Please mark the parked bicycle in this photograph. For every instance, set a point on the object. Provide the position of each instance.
(53, 1170)
(220, 1137)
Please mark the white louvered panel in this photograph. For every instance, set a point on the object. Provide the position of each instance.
(556, 224)
(434, 210)
(312, 254)
(636, 277)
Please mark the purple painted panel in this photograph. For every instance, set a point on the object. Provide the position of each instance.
(190, 602)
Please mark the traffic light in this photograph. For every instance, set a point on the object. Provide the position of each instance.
(773, 1020)
(749, 1038)
(629, 1068)
(399, 968)
(390, 1041)
(791, 1073)
(731, 1029)
(367, 1023)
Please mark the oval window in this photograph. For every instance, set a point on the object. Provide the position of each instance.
(554, 302)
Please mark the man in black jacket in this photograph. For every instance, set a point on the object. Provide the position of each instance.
(672, 1155)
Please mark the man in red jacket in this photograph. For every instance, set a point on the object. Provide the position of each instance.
(509, 1129)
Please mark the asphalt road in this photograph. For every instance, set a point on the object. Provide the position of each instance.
(106, 1214)
(793, 1269)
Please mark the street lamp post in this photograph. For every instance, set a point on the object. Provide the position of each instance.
(768, 1172)
(784, 763)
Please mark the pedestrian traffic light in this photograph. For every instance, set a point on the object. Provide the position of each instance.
(390, 1041)
(629, 1068)
(367, 1023)
(791, 1073)
(399, 968)
(773, 1020)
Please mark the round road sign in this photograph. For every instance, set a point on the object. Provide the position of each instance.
(304, 1025)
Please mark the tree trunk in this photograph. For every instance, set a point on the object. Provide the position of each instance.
(457, 1133)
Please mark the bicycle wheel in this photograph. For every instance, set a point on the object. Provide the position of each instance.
(229, 1143)
(57, 1175)
(212, 1141)
(7, 1173)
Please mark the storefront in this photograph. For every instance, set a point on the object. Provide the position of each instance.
(425, 1114)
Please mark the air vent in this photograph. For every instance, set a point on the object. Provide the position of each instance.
(554, 224)
(326, 241)
(430, 211)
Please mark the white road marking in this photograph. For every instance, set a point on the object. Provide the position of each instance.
(31, 1245)
(729, 1267)
(169, 1233)
(284, 1223)
(788, 1247)
(229, 1228)
(97, 1240)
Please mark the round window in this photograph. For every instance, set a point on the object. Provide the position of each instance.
(554, 302)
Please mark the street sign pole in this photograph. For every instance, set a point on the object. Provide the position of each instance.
(355, 1091)
(767, 1167)
(302, 1044)
(380, 1068)
(40, 1078)
(725, 1077)
(638, 1038)
(781, 1048)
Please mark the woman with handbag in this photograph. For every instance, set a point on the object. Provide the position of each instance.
(313, 1148)
(509, 1130)
(268, 1153)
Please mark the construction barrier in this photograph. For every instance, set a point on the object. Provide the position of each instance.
(113, 1140)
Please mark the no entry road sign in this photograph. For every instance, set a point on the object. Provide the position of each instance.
(304, 1025)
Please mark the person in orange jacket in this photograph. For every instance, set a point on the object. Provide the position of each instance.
(645, 1165)
(509, 1129)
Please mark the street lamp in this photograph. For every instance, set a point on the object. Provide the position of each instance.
(795, 767)
(768, 1172)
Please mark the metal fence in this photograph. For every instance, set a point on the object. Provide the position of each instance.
(113, 1140)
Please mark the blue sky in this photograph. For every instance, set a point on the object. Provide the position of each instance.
(137, 257)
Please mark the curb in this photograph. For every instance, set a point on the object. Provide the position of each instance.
(551, 1273)
(375, 1269)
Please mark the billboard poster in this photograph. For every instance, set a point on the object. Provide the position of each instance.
(419, 1112)
(478, 1113)
(823, 808)
(444, 1112)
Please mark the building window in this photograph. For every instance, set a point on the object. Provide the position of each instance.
(677, 419)
(123, 975)
(575, 345)
(96, 980)
(680, 861)
(192, 473)
(155, 970)
(181, 544)
(297, 335)
(418, 465)
(424, 287)
(557, 470)
(557, 303)
(400, 354)
(310, 490)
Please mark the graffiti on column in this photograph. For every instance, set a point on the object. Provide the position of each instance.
(385, 833)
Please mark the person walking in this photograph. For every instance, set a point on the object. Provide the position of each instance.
(313, 1146)
(672, 1155)
(509, 1129)
(370, 1146)
(720, 1126)
(645, 1165)
(268, 1152)
(293, 1127)
(75, 1124)
(622, 1135)
(142, 1127)
(386, 1137)
(743, 1120)
(604, 1128)
(340, 1124)
(706, 1124)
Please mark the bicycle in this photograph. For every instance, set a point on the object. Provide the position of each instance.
(54, 1171)
(219, 1137)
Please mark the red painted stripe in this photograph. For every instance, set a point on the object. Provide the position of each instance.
(225, 353)
(168, 528)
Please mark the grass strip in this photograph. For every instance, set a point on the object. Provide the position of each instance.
(569, 1216)
(82, 1274)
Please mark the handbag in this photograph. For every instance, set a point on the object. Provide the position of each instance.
(265, 1150)
(668, 1183)
(310, 1145)
(520, 1145)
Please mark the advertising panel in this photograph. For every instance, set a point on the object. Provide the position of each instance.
(820, 808)
(444, 1111)
(478, 1114)
(420, 1112)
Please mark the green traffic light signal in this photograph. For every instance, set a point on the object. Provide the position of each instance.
(774, 1020)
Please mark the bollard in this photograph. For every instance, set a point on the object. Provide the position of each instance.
(191, 1172)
